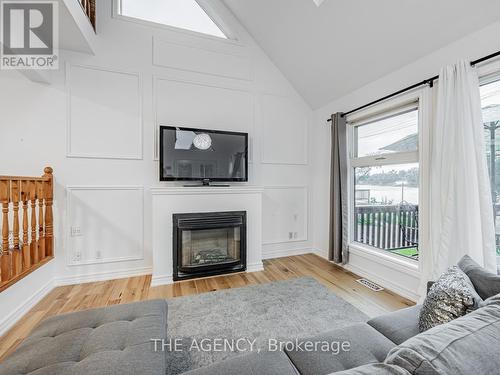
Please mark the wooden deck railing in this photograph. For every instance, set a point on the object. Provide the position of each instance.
(387, 227)
(88, 7)
(27, 225)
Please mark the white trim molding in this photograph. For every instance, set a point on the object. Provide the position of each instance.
(304, 238)
(235, 87)
(102, 276)
(7, 322)
(255, 267)
(403, 273)
(175, 190)
(384, 282)
(72, 154)
(69, 193)
(281, 253)
(161, 280)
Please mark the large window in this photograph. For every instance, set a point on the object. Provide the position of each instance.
(490, 98)
(385, 173)
(184, 14)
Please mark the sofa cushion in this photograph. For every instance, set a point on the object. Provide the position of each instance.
(375, 369)
(451, 297)
(264, 363)
(467, 345)
(398, 326)
(366, 345)
(486, 284)
(111, 340)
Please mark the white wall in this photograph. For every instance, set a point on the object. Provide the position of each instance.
(400, 279)
(96, 126)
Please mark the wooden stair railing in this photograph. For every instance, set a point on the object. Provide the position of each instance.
(28, 239)
(88, 7)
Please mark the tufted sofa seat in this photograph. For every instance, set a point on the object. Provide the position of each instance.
(114, 340)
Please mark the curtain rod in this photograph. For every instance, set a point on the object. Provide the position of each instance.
(429, 81)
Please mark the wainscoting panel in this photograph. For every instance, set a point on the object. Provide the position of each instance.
(105, 224)
(103, 106)
(283, 130)
(224, 61)
(285, 214)
(196, 105)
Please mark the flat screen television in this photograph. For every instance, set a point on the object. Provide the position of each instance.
(203, 155)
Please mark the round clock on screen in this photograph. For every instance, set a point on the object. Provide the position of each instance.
(202, 141)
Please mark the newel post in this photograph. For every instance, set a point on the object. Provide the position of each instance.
(49, 219)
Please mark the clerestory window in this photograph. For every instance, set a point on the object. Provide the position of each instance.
(183, 14)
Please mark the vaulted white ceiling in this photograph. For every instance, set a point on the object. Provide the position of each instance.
(330, 50)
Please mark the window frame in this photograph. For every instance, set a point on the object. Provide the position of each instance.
(205, 5)
(419, 100)
(489, 73)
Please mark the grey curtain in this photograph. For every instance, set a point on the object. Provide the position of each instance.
(338, 191)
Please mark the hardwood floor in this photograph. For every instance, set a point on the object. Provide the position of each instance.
(84, 296)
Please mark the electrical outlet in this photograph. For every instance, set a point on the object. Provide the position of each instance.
(78, 256)
(290, 235)
(295, 235)
(76, 231)
(98, 254)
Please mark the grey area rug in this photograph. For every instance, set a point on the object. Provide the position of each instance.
(282, 310)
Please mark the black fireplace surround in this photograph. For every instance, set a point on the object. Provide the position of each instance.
(209, 243)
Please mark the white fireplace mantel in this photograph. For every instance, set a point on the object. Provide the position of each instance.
(167, 201)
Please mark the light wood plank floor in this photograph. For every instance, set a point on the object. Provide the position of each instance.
(84, 296)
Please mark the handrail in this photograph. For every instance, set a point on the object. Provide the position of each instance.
(24, 178)
(27, 235)
(88, 7)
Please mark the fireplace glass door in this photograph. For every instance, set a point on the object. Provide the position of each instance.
(210, 243)
(219, 246)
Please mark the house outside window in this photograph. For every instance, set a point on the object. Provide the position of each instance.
(490, 103)
(384, 166)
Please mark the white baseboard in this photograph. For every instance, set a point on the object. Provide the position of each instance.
(7, 322)
(402, 291)
(271, 254)
(161, 280)
(320, 253)
(255, 267)
(102, 276)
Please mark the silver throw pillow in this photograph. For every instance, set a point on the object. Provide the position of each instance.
(451, 297)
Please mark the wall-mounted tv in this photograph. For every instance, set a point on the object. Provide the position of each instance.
(203, 155)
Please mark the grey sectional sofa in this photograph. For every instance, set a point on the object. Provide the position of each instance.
(117, 340)
(112, 340)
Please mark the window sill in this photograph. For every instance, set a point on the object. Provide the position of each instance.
(382, 257)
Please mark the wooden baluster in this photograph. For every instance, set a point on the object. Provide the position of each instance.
(49, 220)
(34, 243)
(16, 252)
(26, 246)
(41, 239)
(5, 262)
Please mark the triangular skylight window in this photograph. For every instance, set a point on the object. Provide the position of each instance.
(184, 14)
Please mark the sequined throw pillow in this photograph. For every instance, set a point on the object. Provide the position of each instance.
(450, 297)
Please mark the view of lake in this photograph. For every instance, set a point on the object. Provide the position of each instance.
(388, 194)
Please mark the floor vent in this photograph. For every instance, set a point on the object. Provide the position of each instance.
(370, 285)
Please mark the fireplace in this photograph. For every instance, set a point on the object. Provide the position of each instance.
(207, 244)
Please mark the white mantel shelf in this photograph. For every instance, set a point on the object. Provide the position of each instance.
(195, 190)
(168, 201)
